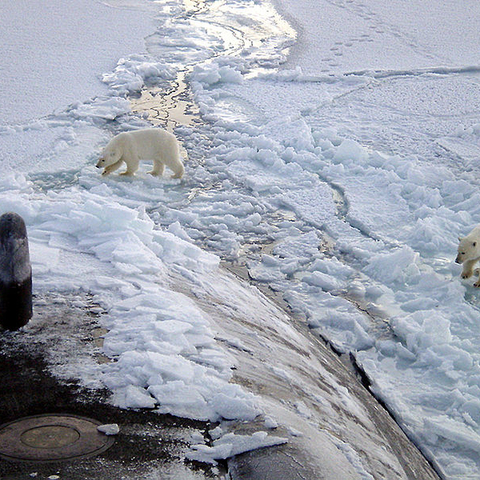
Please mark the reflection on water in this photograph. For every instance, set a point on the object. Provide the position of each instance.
(168, 108)
(230, 31)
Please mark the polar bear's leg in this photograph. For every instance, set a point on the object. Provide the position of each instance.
(476, 273)
(171, 157)
(178, 169)
(112, 168)
(468, 268)
(158, 168)
(132, 162)
(176, 165)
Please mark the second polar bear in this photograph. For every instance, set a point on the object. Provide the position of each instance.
(469, 253)
(153, 144)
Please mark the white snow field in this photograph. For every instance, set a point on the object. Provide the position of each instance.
(334, 155)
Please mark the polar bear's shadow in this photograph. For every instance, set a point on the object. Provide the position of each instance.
(142, 179)
(145, 188)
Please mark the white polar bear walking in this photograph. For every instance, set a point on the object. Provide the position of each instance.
(147, 144)
(469, 253)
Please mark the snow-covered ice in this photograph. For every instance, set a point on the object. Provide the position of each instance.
(109, 429)
(230, 444)
(336, 159)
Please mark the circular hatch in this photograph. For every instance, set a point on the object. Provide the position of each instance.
(52, 438)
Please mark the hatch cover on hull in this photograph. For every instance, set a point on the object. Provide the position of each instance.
(52, 438)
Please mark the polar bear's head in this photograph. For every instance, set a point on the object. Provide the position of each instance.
(110, 155)
(468, 249)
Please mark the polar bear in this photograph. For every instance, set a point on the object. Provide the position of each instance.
(469, 253)
(147, 144)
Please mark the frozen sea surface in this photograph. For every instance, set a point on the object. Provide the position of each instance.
(334, 159)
